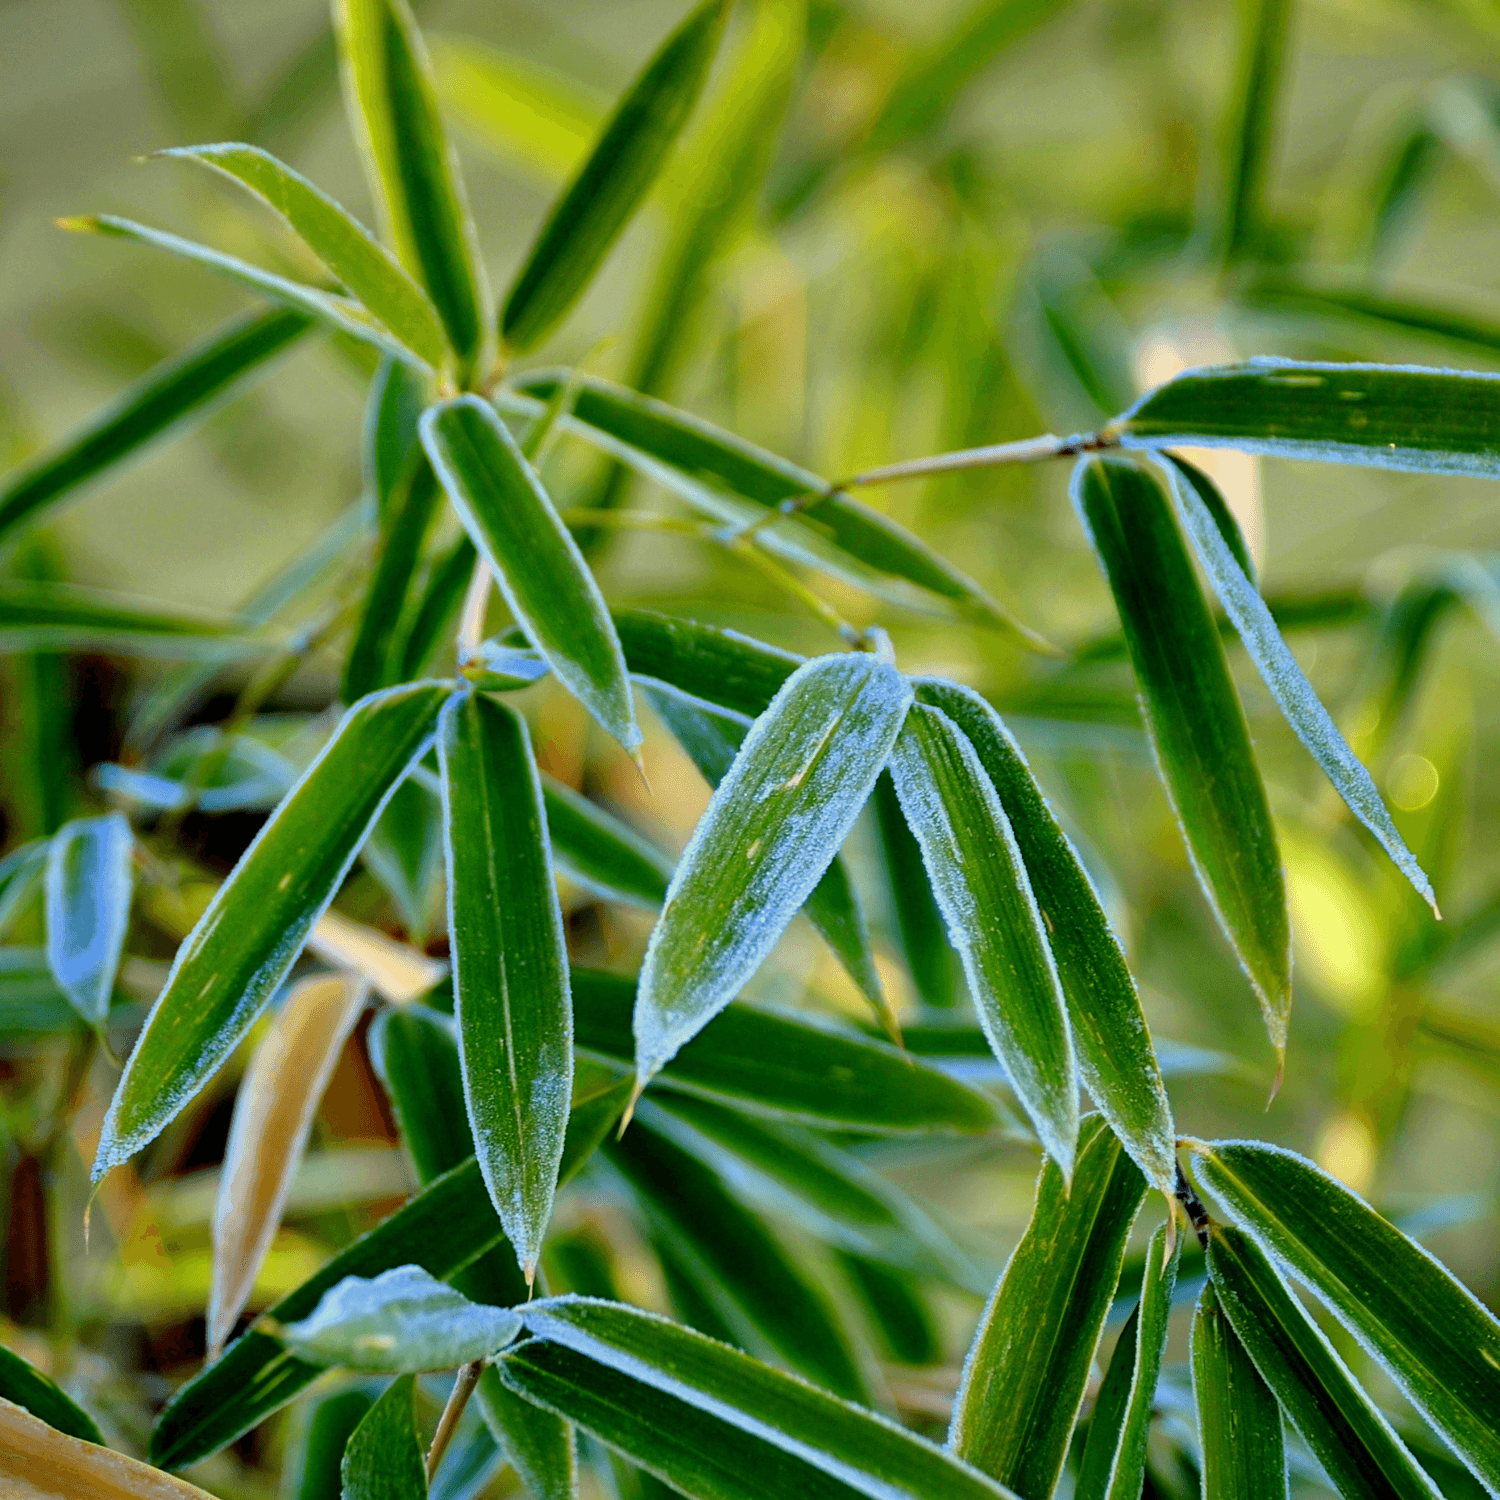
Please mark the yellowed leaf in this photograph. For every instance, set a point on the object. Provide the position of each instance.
(395, 971)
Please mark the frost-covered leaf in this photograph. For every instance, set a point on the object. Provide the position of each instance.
(88, 882)
(383, 1460)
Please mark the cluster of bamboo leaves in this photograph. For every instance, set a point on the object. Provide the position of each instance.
(516, 1072)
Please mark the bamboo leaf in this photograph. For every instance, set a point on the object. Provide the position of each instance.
(539, 1444)
(389, 439)
(1102, 1435)
(369, 273)
(770, 831)
(404, 852)
(244, 944)
(60, 616)
(1441, 1345)
(384, 1459)
(1195, 721)
(510, 965)
(273, 1115)
(982, 888)
(1345, 1430)
(315, 1449)
(894, 1304)
(437, 607)
(1239, 1421)
(339, 313)
(22, 872)
(699, 1414)
(1029, 1362)
(1294, 695)
(1253, 137)
(600, 852)
(410, 165)
(22, 1384)
(1381, 416)
(399, 1322)
(89, 881)
(600, 200)
(503, 668)
(540, 570)
(161, 401)
(1115, 1052)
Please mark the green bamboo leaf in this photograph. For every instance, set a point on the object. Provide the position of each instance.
(539, 1444)
(410, 165)
(537, 564)
(31, 1005)
(502, 668)
(389, 440)
(437, 607)
(24, 1385)
(400, 1322)
(315, 1448)
(1195, 721)
(893, 1301)
(510, 964)
(235, 958)
(161, 401)
(1441, 1345)
(1253, 136)
(1115, 1052)
(1239, 1421)
(384, 1458)
(21, 875)
(1102, 1434)
(1029, 1362)
(65, 617)
(789, 1065)
(982, 888)
(1381, 416)
(404, 852)
(770, 831)
(609, 186)
(1294, 695)
(1344, 1428)
(600, 852)
(339, 313)
(684, 1407)
(367, 270)
(1114, 1459)
(89, 881)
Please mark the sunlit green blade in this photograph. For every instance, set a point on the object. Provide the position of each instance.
(1439, 1342)
(339, 313)
(734, 481)
(384, 1458)
(404, 852)
(770, 831)
(1273, 659)
(1115, 1052)
(1239, 1421)
(1197, 726)
(315, 1448)
(161, 400)
(538, 1443)
(1213, 509)
(63, 617)
(88, 884)
(1253, 134)
(412, 171)
(25, 1385)
(982, 888)
(789, 1065)
(1121, 1467)
(601, 199)
(716, 666)
(367, 270)
(442, 595)
(510, 963)
(1383, 416)
(1029, 1362)
(232, 962)
(776, 1305)
(864, 1452)
(1345, 1430)
(599, 851)
(894, 1304)
(539, 568)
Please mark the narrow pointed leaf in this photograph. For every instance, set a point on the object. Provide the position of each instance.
(368, 271)
(404, 852)
(389, 440)
(24, 1385)
(600, 200)
(602, 853)
(537, 564)
(1338, 1421)
(1029, 1363)
(59, 616)
(894, 1304)
(410, 165)
(706, 662)
(983, 890)
(338, 313)
(510, 965)
(680, 1377)
(437, 607)
(1239, 1420)
(539, 1444)
(384, 1458)
(273, 1115)
(164, 399)
(1115, 1052)
(1278, 668)
(232, 962)
(88, 886)
(1108, 1414)
(1195, 721)
(1381, 416)
(770, 831)
(315, 1448)
(1439, 1342)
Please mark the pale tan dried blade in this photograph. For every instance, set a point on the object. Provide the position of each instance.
(37, 1462)
(273, 1114)
(395, 972)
